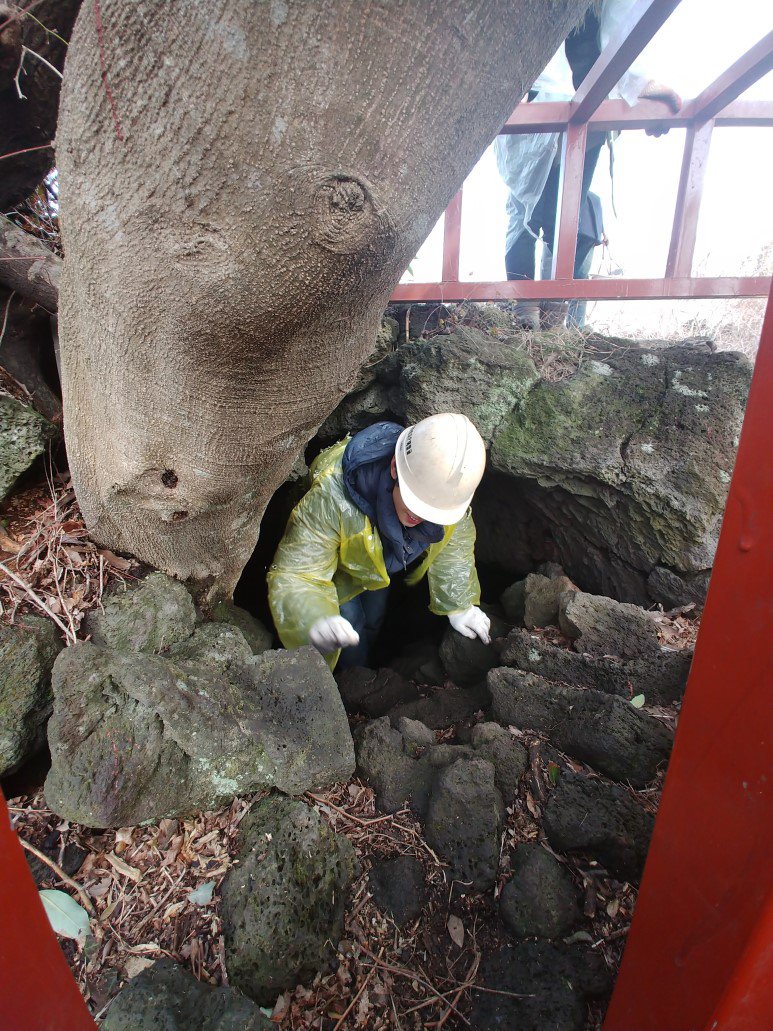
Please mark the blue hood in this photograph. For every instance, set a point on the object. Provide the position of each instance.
(368, 482)
(372, 447)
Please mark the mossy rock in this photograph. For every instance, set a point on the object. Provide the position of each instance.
(24, 435)
(166, 997)
(468, 372)
(283, 904)
(27, 654)
(256, 635)
(150, 617)
(137, 737)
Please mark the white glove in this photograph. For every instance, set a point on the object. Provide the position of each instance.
(472, 623)
(332, 632)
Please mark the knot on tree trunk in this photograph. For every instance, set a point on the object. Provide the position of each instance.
(347, 218)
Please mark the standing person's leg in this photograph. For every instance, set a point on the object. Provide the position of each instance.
(553, 313)
(366, 613)
(520, 259)
(551, 202)
(582, 265)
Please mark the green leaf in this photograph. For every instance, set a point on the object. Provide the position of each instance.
(202, 895)
(637, 701)
(553, 771)
(67, 918)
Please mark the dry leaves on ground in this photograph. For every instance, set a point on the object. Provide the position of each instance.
(48, 564)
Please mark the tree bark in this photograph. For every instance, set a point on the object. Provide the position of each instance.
(28, 266)
(240, 192)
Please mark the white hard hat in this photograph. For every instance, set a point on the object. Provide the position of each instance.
(440, 462)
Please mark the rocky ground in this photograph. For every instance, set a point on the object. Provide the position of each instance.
(479, 870)
(454, 839)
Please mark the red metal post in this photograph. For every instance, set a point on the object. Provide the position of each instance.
(452, 239)
(619, 54)
(731, 83)
(569, 194)
(37, 990)
(688, 200)
(700, 952)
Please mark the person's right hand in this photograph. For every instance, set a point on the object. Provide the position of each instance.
(332, 632)
(668, 96)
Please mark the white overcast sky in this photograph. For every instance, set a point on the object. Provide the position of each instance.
(700, 40)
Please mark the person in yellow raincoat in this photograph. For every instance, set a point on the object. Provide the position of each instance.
(389, 500)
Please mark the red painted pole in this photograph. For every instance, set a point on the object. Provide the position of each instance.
(688, 200)
(700, 952)
(37, 989)
(644, 20)
(569, 194)
(452, 239)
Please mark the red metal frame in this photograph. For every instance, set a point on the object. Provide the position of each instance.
(688, 199)
(737, 78)
(617, 114)
(717, 105)
(37, 990)
(700, 953)
(622, 50)
(593, 289)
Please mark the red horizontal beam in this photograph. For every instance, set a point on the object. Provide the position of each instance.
(733, 81)
(588, 289)
(619, 54)
(616, 114)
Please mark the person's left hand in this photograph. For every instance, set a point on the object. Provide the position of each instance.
(658, 91)
(472, 623)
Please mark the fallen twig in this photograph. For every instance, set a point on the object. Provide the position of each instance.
(536, 772)
(619, 933)
(356, 998)
(469, 981)
(61, 875)
(412, 976)
(349, 816)
(40, 603)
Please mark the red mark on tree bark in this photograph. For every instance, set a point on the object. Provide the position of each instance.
(103, 63)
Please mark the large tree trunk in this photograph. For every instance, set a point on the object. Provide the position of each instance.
(239, 195)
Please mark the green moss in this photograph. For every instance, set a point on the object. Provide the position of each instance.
(24, 435)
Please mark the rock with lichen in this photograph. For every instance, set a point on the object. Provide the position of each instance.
(159, 716)
(283, 903)
(24, 435)
(27, 654)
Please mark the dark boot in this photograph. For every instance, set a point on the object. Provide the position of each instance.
(552, 314)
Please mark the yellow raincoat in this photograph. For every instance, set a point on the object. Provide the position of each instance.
(331, 552)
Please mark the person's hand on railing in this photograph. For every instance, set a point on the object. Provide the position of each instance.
(659, 91)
